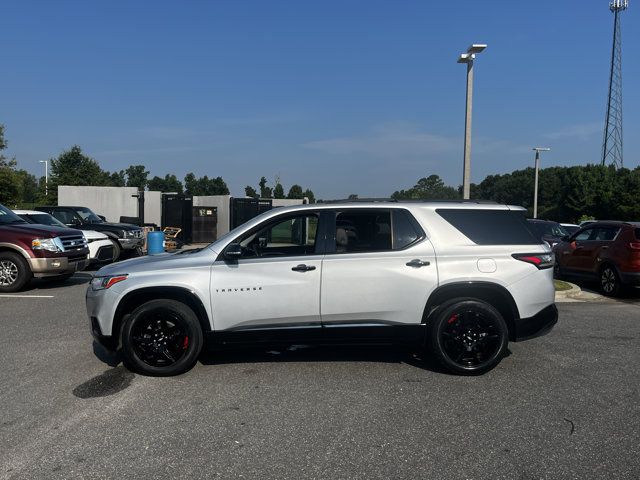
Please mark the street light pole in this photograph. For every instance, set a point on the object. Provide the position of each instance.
(535, 184)
(46, 176)
(468, 58)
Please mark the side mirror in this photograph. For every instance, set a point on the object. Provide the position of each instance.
(573, 245)
(233, 251)
(103, 218)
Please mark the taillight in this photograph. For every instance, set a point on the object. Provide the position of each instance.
(539, 260)
(634, 245)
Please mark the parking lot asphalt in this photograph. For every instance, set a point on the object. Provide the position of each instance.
(566, 405)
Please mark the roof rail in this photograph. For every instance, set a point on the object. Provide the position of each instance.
(413, 200)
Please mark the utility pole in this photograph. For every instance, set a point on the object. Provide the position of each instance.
(46, 176)
(535, 184)
(468, 58)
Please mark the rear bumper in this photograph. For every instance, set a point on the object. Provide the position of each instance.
(540, 324)
(630, 278)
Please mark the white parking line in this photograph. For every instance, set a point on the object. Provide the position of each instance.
(26, 296)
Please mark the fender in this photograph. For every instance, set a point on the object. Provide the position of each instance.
(137, 297)
(492, 293)
(15, 248)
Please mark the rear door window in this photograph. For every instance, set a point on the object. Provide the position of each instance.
(491, 227)
(363, 231)
(605, 234)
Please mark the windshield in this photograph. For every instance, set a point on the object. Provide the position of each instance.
(88, 216)
(42, 219)
(7, 216)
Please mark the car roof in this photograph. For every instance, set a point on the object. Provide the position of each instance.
(539, 220)
(429, 204)
(613, 223)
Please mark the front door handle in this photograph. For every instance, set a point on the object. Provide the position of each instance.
(418, 263)
(303, 268)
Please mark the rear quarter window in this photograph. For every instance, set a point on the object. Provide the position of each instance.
(638, 233)
(490, 227)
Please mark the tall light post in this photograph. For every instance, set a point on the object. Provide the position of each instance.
(46, 176)
(535, 184)
(468, 58)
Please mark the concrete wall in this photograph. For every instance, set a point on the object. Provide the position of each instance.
(153, 207)
(288, 202)
(111, 202)
(223, 204)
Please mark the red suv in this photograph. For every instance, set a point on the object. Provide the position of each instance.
(42, 251)
(607, 251)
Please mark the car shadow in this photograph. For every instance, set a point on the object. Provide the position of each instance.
(78, 278)
(628, 294)
(320, 354)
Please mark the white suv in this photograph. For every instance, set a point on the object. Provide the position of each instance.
(461, 278)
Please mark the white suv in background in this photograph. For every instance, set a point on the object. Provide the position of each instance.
(459, 278)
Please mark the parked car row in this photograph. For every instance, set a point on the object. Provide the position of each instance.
(34, 244)
(602, 250)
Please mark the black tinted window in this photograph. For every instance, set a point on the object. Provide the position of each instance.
(638, 233)
(490, 227)
(405, 232)
(363, 231)
(293, 236)
(606, 234)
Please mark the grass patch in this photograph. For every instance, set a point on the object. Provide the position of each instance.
(561, 286)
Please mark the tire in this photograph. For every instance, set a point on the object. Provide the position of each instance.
(161, 338)
(610, 283)
(14, 272)
(557, 269)
(117, 250)
(468, 336)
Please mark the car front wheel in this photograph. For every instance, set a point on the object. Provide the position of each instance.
(468, 336)
(14, 272)
(161, 338)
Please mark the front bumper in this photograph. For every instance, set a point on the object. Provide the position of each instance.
(53, 266)
(540, 324)
(131, 243)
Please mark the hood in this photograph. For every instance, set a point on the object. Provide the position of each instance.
(93, 235)
(111, 226)
(45, 231)
(161, 261)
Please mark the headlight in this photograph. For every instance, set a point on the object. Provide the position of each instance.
(101, 283)
(48, 244)
(133, 233)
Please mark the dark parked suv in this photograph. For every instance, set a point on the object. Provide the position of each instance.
(607, 251)
(125, 235)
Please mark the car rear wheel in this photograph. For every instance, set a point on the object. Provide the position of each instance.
(14, 272)
(468, 336)
(161, 338)
(609, 281)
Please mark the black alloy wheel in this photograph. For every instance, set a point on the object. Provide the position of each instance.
(468, 337)
(162, 337)
(609, 281)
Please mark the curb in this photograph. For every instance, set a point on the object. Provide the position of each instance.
(575, 291)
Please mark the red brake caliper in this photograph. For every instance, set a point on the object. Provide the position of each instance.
(185, 343)
(453, 318)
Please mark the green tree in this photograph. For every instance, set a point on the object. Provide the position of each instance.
(265, 192)
(169, 183)
(205, 185)
(295, 192)
(250, 192)
(9, 187)
(117, 179)
(309, 194)
(137, 176)
(428, 188)
(278, 191)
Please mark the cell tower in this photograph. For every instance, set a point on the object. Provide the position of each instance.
(612, 143)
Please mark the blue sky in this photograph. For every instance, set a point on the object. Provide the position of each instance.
(340, 96)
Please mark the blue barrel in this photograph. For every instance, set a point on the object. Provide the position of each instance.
(155, 243)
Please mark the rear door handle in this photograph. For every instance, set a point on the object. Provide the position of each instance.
(303, 268)
(417, 263)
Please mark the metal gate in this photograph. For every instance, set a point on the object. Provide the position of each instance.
(177, 212)
(244, 209)
(205, 224)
